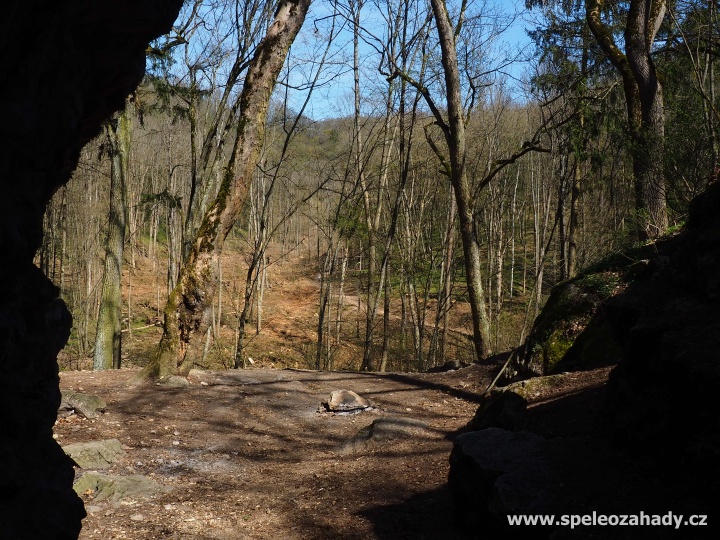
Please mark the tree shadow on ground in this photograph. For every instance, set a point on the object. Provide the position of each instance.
(427, 515)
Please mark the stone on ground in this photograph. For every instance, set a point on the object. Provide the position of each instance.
(83, 404)
(95, 454)
(109, 488)
(345, 401)
(173, 381)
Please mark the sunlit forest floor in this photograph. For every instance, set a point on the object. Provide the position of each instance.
(247, 454)
(287, 334)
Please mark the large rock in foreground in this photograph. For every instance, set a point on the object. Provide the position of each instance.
(663, 394)
(344, 401)
(494, 473)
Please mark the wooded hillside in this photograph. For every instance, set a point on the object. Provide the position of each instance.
(364, 203)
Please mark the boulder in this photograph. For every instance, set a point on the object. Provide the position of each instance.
(83, 404)
(95, 454)
(173, 381)
(505, 410)
(495, 472)
(102, 487)
(346, 401)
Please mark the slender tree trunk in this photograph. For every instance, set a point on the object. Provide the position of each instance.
(325, 277)
(341, 298)
(580, 153)
(573, 225)
(448, 266)
(109, 331)
(455, 138)
(562, 232)
(711, 120)
(186, 313)
(386, 327)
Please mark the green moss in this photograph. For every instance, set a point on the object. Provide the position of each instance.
(531, 388)
(602, 283)
(555, 349)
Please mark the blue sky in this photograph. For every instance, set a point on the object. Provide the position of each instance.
(335, 98)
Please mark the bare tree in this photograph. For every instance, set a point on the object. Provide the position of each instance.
(186, 312)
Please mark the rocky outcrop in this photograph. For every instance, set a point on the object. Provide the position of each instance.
(660, 323)
(67, 66)
(576, 330)
(655, 312)
(663, 393)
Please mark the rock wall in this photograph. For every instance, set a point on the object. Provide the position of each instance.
(67, 66)
(663, 393)
(659, 322)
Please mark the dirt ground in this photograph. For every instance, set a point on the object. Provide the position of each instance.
(247, 454)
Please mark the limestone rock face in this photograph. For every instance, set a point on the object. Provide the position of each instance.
(67, 67)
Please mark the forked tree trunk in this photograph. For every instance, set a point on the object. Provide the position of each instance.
(109, 331)
(644, 101)
(186, 313)
(643, 23)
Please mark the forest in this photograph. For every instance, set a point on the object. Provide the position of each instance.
(393, 156)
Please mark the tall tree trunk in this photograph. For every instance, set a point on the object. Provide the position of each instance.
(447, 277)
(109, 331)
(386, 327)
(573, 225)
(454, 132)
(186, 313)
(644, 101)
(580, 157)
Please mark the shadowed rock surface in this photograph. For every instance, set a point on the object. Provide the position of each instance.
(506, 410)
(494, 473)
(658, 318)
(67, 67)
(663, 393)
